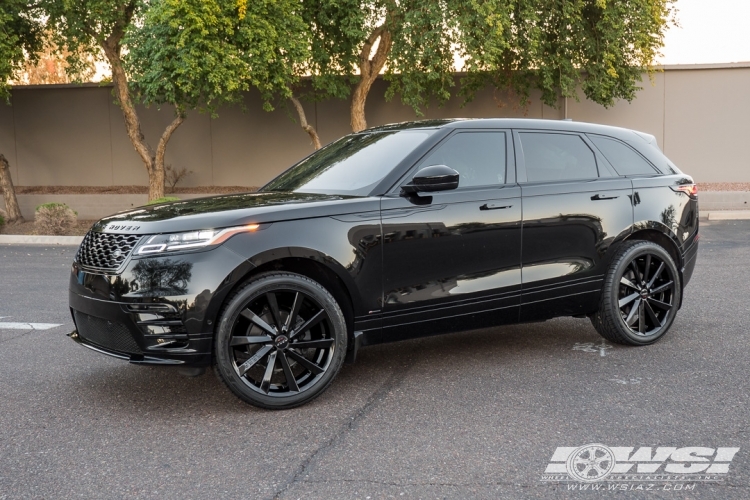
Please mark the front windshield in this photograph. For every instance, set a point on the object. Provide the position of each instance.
(352, 166)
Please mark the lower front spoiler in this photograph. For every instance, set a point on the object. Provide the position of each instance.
(138, 359)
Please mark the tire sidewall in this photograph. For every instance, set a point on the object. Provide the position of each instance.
(627, 257)
(255, 288)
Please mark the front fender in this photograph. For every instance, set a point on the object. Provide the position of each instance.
(351, 250)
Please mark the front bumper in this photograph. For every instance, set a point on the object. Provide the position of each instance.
(159, 310)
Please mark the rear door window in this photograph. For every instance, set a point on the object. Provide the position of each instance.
(623, 158)
(557, 157)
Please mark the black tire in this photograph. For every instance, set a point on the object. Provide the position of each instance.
(304, 340)
(640, 297)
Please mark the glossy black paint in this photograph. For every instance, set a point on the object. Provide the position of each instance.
(402, 265)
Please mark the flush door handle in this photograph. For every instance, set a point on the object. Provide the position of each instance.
(598, 197)
(493, 206)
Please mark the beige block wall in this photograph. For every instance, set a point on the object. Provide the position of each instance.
(76, 135)
(707, 123)
(645, 113)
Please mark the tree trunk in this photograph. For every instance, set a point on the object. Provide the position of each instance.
(9, 193)
(306, 126)
(369, 69)
(154, 162)
(156, 174)
(155, 183)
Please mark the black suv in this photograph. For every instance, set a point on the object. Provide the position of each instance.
(393, 233)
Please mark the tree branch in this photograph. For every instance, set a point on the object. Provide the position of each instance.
(162, 147)
(303, 123)
(132, 123)
(369, 69)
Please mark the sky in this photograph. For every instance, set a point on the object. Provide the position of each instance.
(711, 31)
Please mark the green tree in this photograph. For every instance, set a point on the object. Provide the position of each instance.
(191, 54)
(555, 46)
(21, 39)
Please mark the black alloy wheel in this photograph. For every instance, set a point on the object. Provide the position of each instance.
(281, 341)
(646, 294)
(640, 297)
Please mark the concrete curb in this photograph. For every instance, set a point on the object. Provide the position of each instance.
(22, 239)
(729, 215)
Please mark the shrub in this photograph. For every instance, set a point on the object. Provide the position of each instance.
(2, 221)
(54, 218)
(165, 199)
(173, 175)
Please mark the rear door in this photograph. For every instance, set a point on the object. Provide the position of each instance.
(574, 208)
(451, 260)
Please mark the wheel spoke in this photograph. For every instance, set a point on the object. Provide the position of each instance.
(274, 306)
(628, 283)
(317, 318)
(665, 286)
(313, 344)
(645, 269)
(259, 339)
(244, 367)
(658, 303)
(266, 383)
(304, 362)
(247, 313)
(290, 380)
(292, 318)
(630, 298)
(641, 317)
(656, 274)
(637, 273)
(652, 314)
(633, 312)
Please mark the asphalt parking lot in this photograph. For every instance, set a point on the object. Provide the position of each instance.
(472, 415)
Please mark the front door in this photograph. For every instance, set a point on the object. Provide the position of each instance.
(451, 260)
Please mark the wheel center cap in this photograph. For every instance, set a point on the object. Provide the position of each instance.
(645, 293)
(281, 342)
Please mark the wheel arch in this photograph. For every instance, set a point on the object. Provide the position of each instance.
(660, 234)
(314, 265)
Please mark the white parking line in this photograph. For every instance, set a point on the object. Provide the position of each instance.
(28, 326)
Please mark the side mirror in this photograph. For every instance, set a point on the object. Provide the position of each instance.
(431, 179)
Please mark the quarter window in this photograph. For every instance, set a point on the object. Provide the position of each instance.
(478, 157)
(557, 157)
(622, 157)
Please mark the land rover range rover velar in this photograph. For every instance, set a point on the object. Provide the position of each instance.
(392, 233)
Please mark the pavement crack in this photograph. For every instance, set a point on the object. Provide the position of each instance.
(352, 423)
(18, 336)
(421, 483)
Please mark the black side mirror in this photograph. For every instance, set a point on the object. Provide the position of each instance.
(431, 179)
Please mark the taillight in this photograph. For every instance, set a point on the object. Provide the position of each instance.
(689, 189)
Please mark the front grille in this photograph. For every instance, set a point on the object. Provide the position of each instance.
(107, 334)
(105, 252)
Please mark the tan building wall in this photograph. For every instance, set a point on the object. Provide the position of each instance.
(66, 135)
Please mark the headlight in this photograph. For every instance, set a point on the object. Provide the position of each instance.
(191, 240)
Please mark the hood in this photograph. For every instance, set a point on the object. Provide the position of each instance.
(230, 210)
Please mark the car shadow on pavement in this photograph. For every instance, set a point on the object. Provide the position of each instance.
(145, 390)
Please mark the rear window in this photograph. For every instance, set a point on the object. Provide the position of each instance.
(624, 159)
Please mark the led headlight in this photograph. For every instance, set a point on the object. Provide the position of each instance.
(190, 240)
